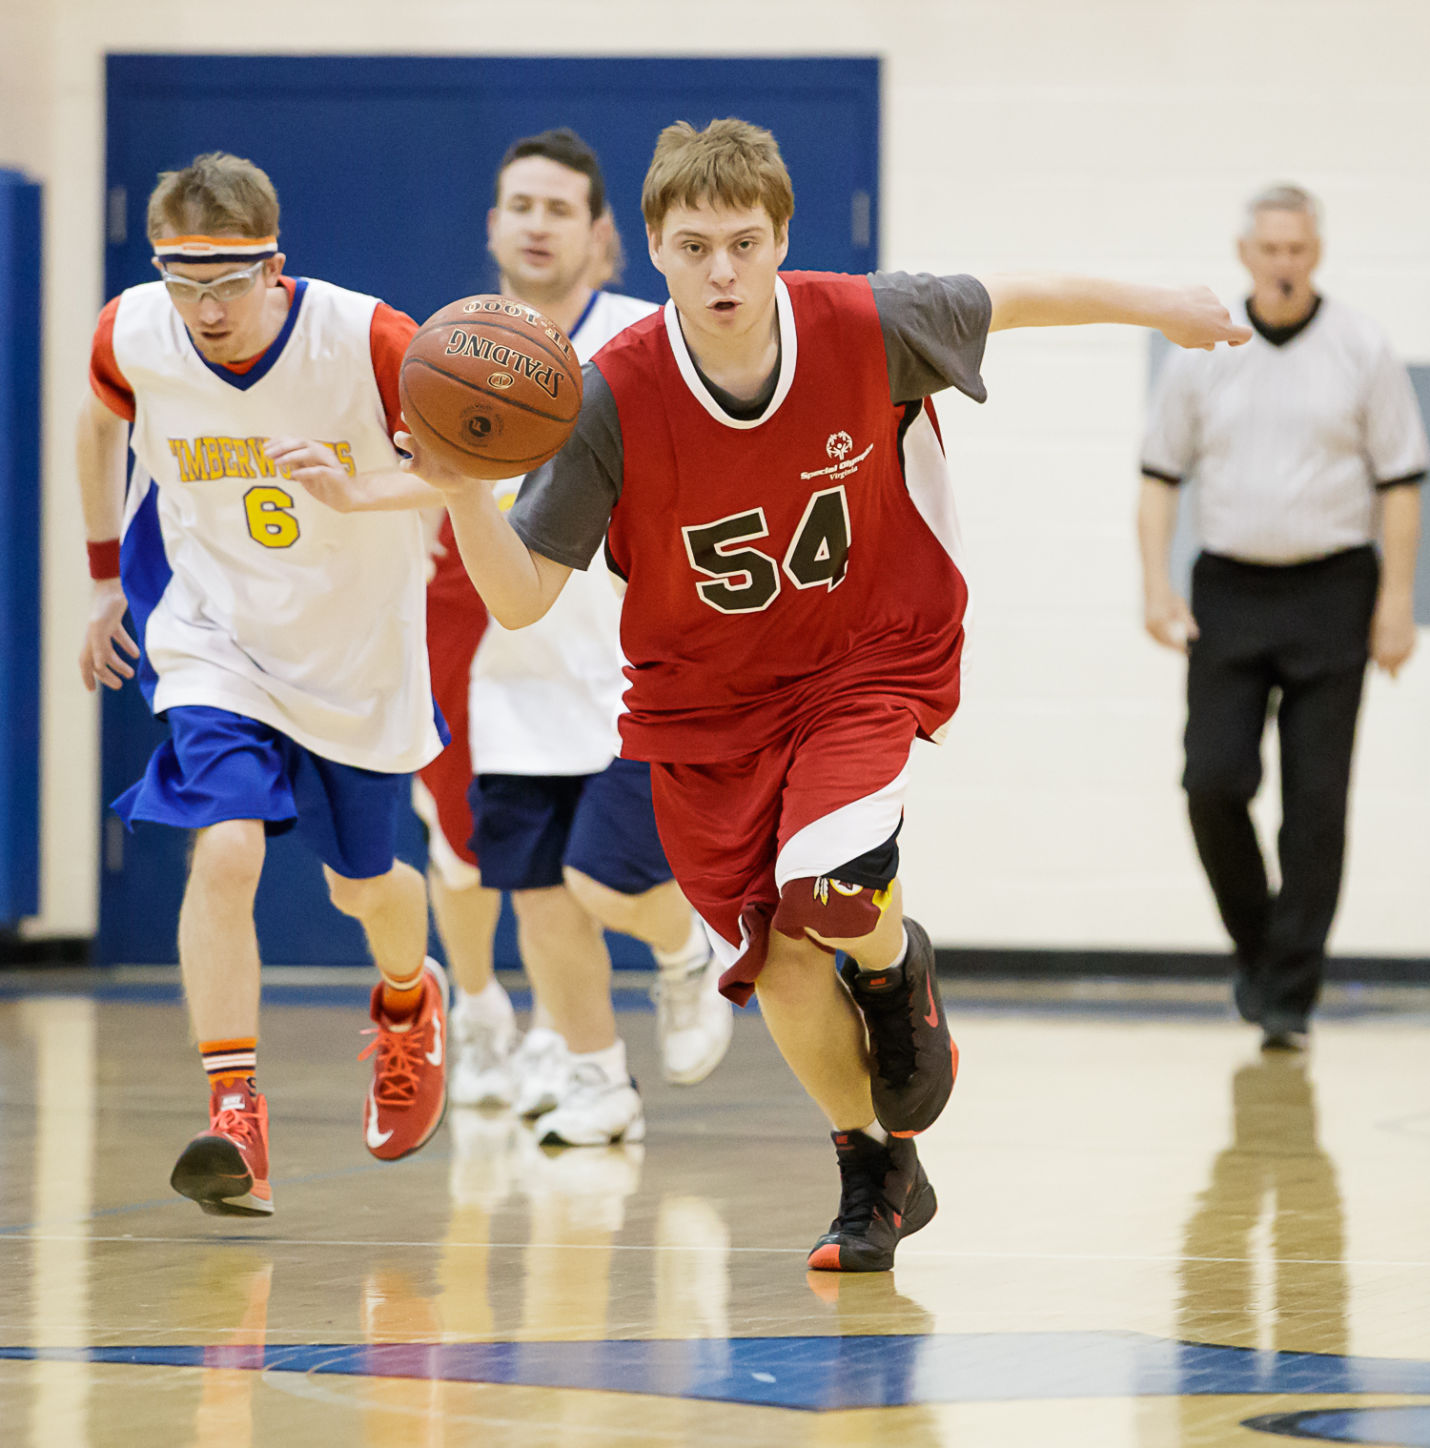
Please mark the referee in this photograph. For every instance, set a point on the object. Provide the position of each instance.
(1304, 444)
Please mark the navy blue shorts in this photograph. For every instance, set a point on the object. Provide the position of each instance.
(529, 827)
(221, 766)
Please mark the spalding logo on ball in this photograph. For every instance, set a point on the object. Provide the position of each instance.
(489, 387)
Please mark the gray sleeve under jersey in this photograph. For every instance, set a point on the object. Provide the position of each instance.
(564, 506)
(934, 330)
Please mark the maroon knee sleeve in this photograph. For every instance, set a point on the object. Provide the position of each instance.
(831, 908)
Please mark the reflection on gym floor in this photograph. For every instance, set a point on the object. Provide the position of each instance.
(1272, 1181)
(1126, 1254)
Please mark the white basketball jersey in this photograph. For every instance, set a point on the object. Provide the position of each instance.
(273, 605)
(544, 699)
(1288, 443)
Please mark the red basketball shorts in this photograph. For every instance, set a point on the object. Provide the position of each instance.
(456, 620)
(736, 832)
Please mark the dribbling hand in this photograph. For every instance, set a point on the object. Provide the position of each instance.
(423, 465)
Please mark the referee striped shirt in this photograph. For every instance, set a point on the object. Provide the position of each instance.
(1288, 437)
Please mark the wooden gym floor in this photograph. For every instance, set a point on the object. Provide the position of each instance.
(1150, 1236)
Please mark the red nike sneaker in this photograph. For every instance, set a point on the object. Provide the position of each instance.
(408, 1095)
(884, 1197)
(225, 1169)
(912, 1057)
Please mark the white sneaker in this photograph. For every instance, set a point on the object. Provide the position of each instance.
(483, 1032)
(541, 1066)
(693, 1022)
(597, 1108)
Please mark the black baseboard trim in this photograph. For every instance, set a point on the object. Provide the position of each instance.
(15, 950)
(966, 962)
(956, 962)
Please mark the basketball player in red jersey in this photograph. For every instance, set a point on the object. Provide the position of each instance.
(763, 466)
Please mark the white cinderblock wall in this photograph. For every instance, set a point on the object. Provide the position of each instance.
(1113, 136)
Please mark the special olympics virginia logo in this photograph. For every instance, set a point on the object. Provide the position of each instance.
(839, 446)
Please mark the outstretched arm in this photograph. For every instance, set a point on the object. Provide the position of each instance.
(317, 467)
(516, 584)
(1188, 316)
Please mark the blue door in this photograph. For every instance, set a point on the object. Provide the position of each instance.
(384, 170)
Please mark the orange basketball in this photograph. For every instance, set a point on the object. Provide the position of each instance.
(489, 387)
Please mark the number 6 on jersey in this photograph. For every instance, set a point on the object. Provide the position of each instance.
(269, 521)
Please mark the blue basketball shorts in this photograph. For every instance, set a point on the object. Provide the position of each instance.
(528, 828)
(218, 766)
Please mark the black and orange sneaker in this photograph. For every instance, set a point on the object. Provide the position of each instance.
(884, 1197)
(225, 1169)
(408, 1096)
(912, 1057)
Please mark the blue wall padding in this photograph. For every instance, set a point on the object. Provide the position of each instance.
(19, 547)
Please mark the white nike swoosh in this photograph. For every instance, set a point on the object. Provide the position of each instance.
(435, 1054)
(375, 1138)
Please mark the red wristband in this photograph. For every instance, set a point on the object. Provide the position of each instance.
(104, 558)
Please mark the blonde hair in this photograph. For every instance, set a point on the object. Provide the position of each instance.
(730, 163)
(215, 195)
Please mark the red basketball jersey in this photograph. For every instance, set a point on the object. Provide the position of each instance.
(772, 566)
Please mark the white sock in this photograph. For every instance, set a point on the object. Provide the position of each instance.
(487, 1001)
(875, 1132)
(695, 951)
(611, 1060)
(903, 949)
(895, 963)
(543, 1037)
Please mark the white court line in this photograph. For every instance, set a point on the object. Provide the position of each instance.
(904, 1254)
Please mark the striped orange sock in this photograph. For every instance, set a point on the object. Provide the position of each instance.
(226, 1061)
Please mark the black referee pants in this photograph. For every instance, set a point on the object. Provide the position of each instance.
(1293, 639)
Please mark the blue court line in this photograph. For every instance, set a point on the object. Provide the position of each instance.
(1406, 1427)
(819, 1373)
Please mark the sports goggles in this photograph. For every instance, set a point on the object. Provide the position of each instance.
(227, 288)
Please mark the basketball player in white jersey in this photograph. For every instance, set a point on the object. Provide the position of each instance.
(484, 1068)
(560, 820)
(1308, 450)
(282, 642)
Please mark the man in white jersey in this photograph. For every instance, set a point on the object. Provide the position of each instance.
(1305, 445)
(282, 642)
(560, 821)
(484, 1066)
